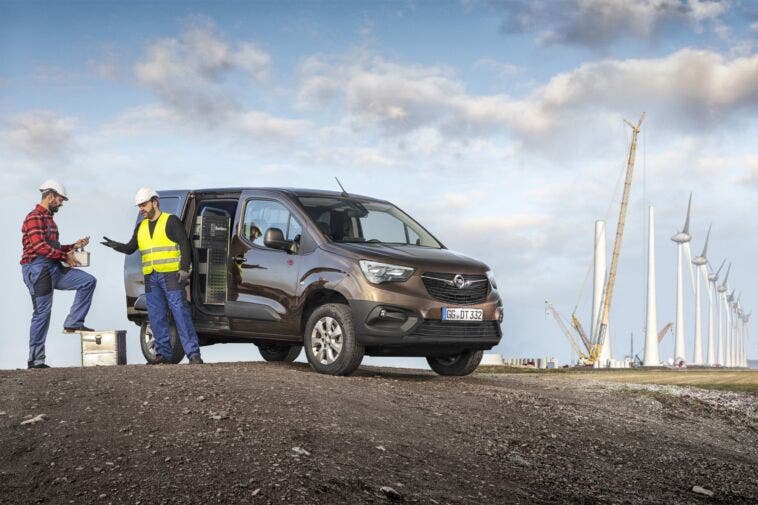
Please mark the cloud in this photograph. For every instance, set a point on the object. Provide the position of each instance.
(688, 89)
(600, 23)
(751, 171)
(200, 80)
(39, 134)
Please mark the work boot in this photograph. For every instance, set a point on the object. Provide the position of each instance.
(196, 360)
(159, 360)
(77, 330)
(30, 364)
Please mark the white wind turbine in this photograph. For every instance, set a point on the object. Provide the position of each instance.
(722, 302)
(730, 333)
(651, 328)
(682, 240)
(699, 262)
(713, 277)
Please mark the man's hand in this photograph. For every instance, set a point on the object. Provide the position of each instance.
(110, 243)
(184, 277)
(81, 243)
(70, 260)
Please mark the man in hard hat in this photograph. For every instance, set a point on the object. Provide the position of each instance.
(43, 272)
(166, 258)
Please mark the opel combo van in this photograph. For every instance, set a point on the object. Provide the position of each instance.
(338, 274)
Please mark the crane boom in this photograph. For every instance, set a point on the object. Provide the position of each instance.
(664, 330)
(582, 334)
(611, 281)
(569, 336)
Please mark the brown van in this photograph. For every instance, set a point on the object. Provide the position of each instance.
(340, 274)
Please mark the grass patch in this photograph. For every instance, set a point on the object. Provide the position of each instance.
(722, 380)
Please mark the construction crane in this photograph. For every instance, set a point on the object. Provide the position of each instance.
(583, 357)
(605, 308)
(664, 330)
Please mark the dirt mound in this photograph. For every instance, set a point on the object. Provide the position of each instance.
(269, 433)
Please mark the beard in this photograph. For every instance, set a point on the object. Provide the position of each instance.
(151, 214)
(53, 208)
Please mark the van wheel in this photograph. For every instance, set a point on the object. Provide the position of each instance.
(147, 343)
(330, 342)
(459, 364)
(276, 352)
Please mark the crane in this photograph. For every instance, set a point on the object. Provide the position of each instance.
(549, 309)
(664, 330)
(605, 308)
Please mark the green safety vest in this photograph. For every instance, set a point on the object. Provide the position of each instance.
(159, 253)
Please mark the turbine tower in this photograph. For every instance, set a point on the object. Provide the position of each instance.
(722, 302)
(651, 357)
(681, 238)
(597, 291)
(730, 332)
(713, 277)
(700, 262)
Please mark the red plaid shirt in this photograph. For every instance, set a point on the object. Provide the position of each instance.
(39, 236)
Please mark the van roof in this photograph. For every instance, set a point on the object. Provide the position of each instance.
(295, 192)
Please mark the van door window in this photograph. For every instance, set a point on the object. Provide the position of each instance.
(260, 215)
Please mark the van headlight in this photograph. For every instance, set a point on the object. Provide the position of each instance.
(376, 272)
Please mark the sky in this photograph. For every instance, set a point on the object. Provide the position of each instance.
(499, 125)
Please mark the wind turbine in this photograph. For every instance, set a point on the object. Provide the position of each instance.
(681, 238)
(700, 262)
(651, 357)
(713, 278)
(722, 301)
(730, 333)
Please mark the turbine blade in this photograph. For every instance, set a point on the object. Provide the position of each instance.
(723, 284)
(722, 266)
(705, 247)
(687, 221)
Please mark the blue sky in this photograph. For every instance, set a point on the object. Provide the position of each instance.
(497, 124)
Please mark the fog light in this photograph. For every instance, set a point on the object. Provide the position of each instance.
(383, 313)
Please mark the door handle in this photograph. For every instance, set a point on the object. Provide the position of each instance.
(239, 259)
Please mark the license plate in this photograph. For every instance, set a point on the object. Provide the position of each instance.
(461, 314)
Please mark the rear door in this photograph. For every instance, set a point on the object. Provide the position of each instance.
(173, 202)
(263, 287)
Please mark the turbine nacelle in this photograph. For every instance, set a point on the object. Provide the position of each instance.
(681, 237)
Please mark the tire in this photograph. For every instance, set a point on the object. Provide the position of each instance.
(330, 343)
(457, 365)
(147, 343)
(280, 352)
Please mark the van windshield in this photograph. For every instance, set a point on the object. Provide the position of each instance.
(352, 220)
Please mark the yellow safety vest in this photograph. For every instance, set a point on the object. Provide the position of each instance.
(159, 253)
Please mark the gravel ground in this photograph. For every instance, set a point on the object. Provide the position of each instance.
(272, 433)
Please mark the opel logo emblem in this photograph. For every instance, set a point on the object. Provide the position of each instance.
(459, 281)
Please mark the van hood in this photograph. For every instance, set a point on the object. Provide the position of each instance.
(426, 258)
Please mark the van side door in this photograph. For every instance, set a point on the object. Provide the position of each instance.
(263, 284)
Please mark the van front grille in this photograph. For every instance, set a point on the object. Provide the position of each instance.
(457, 330)
(441, 286)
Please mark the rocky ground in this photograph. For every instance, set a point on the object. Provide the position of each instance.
(271, 433)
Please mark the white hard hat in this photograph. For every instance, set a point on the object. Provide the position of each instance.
(143, 195)
(52, 185)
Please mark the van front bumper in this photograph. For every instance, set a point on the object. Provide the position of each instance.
(386, 330)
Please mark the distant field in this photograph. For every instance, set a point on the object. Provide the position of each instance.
(726, 380)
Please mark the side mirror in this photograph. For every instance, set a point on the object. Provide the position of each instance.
(274, 239)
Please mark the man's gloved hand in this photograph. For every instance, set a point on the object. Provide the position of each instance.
(184, 277)
(110, 243)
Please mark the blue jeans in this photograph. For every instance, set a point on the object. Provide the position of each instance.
(163, 294)
(42, 276)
